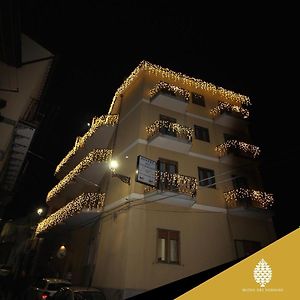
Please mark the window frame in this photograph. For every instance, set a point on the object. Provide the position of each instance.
(168, 233)
(202, 181)
(202, 137)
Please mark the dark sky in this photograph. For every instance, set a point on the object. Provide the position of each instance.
(249, 49)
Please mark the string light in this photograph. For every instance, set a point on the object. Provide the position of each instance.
(180, 130)
(105, 120)
(179, 78)
(96, 155)
(169, 88)
(260, 199)
(182, 184)
(234, 144)
(84, 201)
(227, 107)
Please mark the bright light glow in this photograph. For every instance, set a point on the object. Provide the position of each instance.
(89, 124)
(40, 211)
(113, 165)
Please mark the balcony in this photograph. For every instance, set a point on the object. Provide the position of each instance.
(83, 178)
(228, 115)
(243, 201)
(81, 210)
(173, 189)
(98, 136)
(170, 97)
(233, 151)
(170, 136)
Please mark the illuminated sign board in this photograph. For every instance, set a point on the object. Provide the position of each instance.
(146, 171)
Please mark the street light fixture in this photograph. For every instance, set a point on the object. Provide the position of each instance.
(40, 211)
(113, 165)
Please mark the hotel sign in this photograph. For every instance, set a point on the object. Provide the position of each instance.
(146, 171)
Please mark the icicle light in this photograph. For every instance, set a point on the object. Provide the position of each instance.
(227, 107)
(175, 182)
(106, 120)
(87, 201)
(96, 155)
(171, 89)
(261, 199)
(234, 144)
(178, 78)
(180, 130)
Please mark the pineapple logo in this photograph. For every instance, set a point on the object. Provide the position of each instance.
(262, 273)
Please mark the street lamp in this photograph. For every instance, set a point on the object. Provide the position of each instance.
(113, 165)
(40, 211)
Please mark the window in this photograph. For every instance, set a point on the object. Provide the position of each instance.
(206, 177)
(168, 246)
(198, 99)
(166, 130)
(201, 133)
(245, 248)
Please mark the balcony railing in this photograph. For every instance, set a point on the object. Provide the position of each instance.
(176, 183)
(90, 201)
(233, 110)
(169, 96)
(237, 148)
(170, 89)
(105, 120)
(171, 129)
(246, 198)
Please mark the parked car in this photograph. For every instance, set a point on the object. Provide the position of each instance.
(79, 293)
(45, 288)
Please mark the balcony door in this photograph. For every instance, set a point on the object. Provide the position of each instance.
(167, 167)
(165, 129)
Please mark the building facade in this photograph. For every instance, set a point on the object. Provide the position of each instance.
(164, 186)
(22, 85)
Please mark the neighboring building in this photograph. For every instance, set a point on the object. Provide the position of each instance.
(24, 69)
(208, 206)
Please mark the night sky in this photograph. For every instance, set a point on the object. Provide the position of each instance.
(97, 44)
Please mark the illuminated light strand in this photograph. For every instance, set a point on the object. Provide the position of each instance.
(169, 88)
(84, 201)
(180, 183)
(227, 107)
(106, 120)
(180, 78)
(181, 131)
(234, 144)
(261, 199)
(96, 155)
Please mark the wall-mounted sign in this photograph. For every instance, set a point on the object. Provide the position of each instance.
(146, 170)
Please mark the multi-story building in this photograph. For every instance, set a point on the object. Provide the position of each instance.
(24, 71)
(171, 181)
